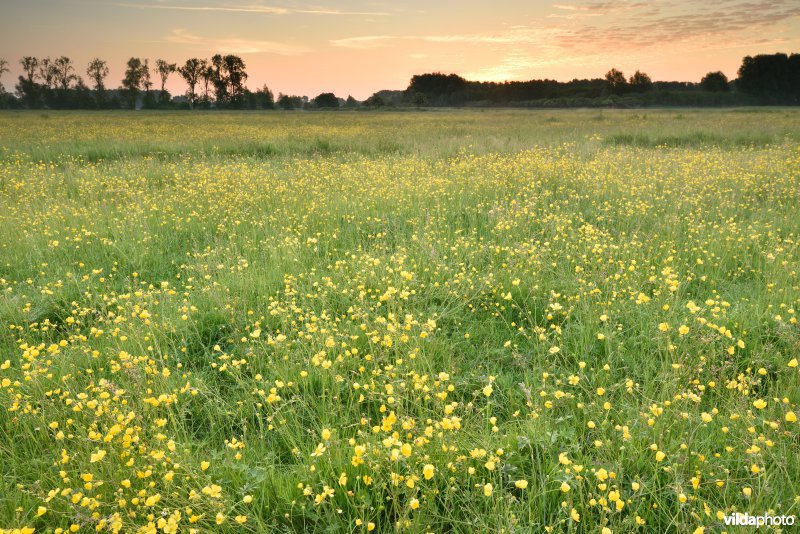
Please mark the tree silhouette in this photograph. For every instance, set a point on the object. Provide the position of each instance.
(97, 70)
(64, 72)
(615, 82)
(207, 75)
(640, 82)
(228, 77)
(134, 78)
(164, 69)
(27, 88)
(29, 65)
(47, 72)
(326, 100)
(190, 72)
(715, 82)
(3, 70)
(773, 78)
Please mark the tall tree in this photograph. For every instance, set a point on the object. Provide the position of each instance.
(97, 71)
(64, 72)
(147, 83)
(133, 80)
(47, 72)
(229, 75)
(191, 72)
(27, 88)
(615, 82)
(235, 76)
(218, 80)
(640, 82)
(164, 69)
(773, 78)
(207, 75)
(29, 65)
(3, 70)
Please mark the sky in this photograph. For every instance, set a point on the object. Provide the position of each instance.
(357, 47)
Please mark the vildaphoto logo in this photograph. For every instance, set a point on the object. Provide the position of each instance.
(763, 520)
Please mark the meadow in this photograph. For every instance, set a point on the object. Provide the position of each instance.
(461, 321)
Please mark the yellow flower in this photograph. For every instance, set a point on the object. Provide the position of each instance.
(370, 526)
(487, 489)
(97, 456)
(241, 519)
(575, 515)
(427, 471)
(521, 484)
(205, 465)
(41, 511)
(565, 487)
(790, 417)
(326, 434)
(660, 456)
(635, 486)
(793, 362)
(488, 390)
(414, 504)
(683, 330)
(760, 404)
(747, 491)
(247, 499)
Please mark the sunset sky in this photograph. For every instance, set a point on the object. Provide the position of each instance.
(360, 46)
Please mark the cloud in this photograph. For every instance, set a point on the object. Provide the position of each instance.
(705, 25)
(249, 8)
(365, 42)
(236, 45)
(513, 36)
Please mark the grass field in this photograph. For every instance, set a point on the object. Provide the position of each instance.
(463, 321)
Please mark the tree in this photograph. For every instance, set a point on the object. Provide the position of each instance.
(289, 102)
(773, 78)
(3, 70)
(207, 75)
(64, 72)
(714, 82)
(640, 82)
(265, 98)
(164, 69)
(97, 71)
(326, 100)
(229, 75)
(29, 65)
(191, 72)
(134, 79)
(27, 88)
(351, 102)
(48, 72)
(375, 101)
(439, 89)
(615, 82)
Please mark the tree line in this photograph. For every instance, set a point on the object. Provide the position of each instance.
(219, 83)
(762, 79)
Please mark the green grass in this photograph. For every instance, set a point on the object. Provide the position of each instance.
(180, 288)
